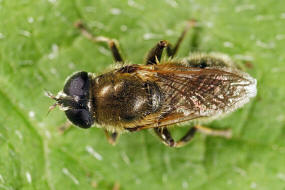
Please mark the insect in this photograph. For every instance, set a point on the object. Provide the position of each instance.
(157, 94)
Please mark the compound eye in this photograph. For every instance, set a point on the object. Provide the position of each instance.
(80, 117)
(77, 85)
(77, 90)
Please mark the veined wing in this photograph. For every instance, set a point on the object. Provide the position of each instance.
(190, 93)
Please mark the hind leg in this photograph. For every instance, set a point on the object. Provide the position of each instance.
(166, 137)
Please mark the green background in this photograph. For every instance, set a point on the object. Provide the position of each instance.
(39, 48)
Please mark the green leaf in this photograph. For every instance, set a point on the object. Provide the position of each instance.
(39, 48)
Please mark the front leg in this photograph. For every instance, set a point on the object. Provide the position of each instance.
(111, 137)
(111, 43)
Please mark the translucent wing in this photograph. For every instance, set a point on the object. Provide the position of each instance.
(191, 93)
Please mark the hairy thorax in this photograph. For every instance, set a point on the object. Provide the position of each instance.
(121, 99)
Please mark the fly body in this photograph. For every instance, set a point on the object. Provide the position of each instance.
(157, 94)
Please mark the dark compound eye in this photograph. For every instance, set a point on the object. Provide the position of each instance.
(80, 117)
(77, 89)
(77, 85)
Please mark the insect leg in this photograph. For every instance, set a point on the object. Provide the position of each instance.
(111, 43)
(195, 38)
(165, 136)
(226, 133)
(112, 138)
(154, 55)
(65, 127)
(167, 139)
(213, 132)
(171, 51)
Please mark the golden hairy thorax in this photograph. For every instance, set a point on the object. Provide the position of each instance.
(122, 99)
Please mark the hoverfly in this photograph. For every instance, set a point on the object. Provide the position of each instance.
(157, 94)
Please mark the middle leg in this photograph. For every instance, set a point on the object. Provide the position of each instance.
(154, 55)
